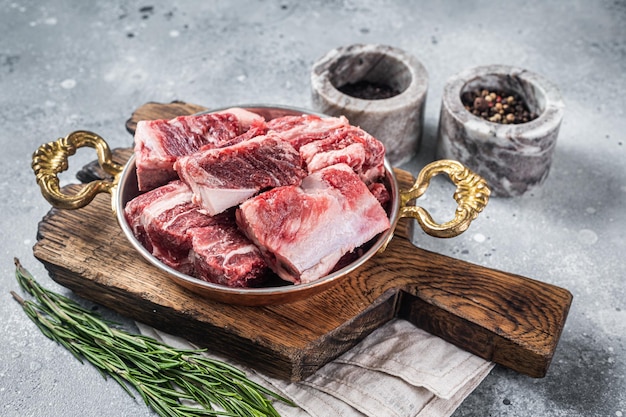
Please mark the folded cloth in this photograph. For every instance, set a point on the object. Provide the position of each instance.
(397, 371)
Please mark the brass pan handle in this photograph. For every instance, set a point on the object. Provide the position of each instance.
(52, 158)
(471, 195)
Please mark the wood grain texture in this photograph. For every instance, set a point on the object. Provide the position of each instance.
(509, 319)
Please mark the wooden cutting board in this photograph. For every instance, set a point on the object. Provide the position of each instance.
(509, 319)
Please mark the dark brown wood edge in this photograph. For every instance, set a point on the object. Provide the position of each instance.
(331, 345)
(474, 338)
(512, 320)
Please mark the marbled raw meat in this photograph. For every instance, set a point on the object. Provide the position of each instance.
(380, 191)
(159, 143)
(300, 130)
(223, 178)
(184, 237)
(349, 145)
(327, 141)
(222, 254)
(160, 219)
(303, 231)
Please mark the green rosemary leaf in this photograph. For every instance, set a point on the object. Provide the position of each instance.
(98, 325)
(166, 378)
(122, 383)
(136, 342)
(199, 396)
(143, 362)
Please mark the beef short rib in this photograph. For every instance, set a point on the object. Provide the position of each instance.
(323, 142)
(303, 231)
(160, 220)
(349, 145)
(159, 143)
(300, 130)
(223, 178)
(184, 237)
(222, 254)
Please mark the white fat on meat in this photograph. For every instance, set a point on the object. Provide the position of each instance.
(306, 128)
(246, 118)
(352, 155)
(217, 200)
(146, 208)
(303, 231)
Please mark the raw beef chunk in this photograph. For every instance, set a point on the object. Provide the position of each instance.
(300, 130)
(222, 178)
(159, 143)
(160, 220)
(303, 231)
(184, 237)
(349, 145)
(247, 119)
(224, 255)
(327, 141)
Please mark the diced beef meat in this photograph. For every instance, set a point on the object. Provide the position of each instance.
(223, 178)
(159, 143)
(350, 145)
(160, 219)
(303, 231)
(310, 191)
(222, 254)
(184, 237)
(246, 119)
(324, 142)
(300, 130)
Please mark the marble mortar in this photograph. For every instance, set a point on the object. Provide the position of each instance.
(513, 158)
(396, 121)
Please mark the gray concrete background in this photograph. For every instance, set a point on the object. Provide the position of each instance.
(67, 65)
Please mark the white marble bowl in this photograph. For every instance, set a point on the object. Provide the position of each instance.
(514, 159)
(396, 121)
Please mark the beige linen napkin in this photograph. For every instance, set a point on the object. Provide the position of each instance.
(397, 371)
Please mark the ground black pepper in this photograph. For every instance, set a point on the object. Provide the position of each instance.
(497, 106)
(368, 90)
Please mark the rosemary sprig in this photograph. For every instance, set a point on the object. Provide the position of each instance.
(173, 382)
